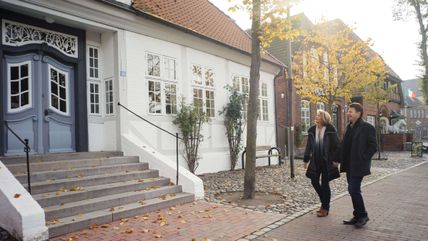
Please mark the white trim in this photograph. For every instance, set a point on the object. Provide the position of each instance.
(112, 96)
(28, 38)
(99, 98)
(88, 66)
(30, 85)
(67, 92)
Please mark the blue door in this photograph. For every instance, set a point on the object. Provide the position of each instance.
(38, 104)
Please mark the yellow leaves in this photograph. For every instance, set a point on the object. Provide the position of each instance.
(17, 195)
(104, 226)
(76, 189)
(93, 226)
(129, 230)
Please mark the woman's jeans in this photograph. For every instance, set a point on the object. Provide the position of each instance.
(322, 189)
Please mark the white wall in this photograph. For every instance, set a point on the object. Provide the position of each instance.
(22, 217)
(102, 128)
(214, 149)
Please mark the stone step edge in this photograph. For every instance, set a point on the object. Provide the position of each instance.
(106, 216)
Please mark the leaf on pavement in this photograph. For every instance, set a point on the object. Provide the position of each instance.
(17, 195)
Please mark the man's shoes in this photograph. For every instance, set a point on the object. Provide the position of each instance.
(351, 221)
(361, 222)
(322, 213)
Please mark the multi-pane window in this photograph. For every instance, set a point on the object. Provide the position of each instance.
(58, 90)
(93, 57)
(371, 120)
(204, 89)
(263, 103)
(170, 68)
(153, 65)
(109, 96)
(94, 98)
(162, 86)
(320, 106)
(241, 84)
(305, 115)
(170, 98)
(155, 105)
(19, 86)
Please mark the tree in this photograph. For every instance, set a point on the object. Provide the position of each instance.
(190, 120)
(233, 121)
(419, 9)
(268, 21)
(377, 94)
(333, 62)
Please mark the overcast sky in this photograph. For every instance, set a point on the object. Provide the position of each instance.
(395, 41)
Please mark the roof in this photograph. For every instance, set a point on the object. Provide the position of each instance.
(202, 18)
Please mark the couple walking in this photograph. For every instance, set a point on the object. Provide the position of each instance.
(324, 152)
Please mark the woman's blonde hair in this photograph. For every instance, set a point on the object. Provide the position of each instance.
(324, 116)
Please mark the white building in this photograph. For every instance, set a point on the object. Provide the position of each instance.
(94, 54)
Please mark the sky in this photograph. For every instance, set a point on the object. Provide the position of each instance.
(396, 41)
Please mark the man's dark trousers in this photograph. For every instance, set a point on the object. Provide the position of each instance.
(354, 189)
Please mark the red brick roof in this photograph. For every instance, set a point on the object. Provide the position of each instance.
(201, 17)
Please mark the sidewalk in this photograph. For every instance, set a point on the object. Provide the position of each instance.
(397, 207)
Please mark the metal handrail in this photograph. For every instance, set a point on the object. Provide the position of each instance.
(27, 149)
(160, 128)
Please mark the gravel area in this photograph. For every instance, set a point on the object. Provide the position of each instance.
(298, 192)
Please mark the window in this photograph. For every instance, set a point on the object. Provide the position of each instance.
(109, 96)
(204, 89)
(371, 120)
(170, 98)
(19, 86)
(94, 98)
(155, 105)
(241, 84)
(170, 68)
(263, 101)
(153, 65)
(305, 115)
(58, 96)
(162, 85)
(335, 110)
(93, 57)
(320, 106)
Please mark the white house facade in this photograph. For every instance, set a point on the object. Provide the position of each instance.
(68, 63)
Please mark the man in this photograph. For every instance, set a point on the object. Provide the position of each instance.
(358, 147)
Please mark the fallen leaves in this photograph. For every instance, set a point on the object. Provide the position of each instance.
(93, 226)
(17, 195)
(52, 222)
(129, 230)
(104, 226)
(76, 189)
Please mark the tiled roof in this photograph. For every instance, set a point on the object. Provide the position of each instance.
(200, 17)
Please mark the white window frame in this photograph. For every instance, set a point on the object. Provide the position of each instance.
(240, 89)
(9, 86)
(320, 106)
(100, 112)
(88, 57)
(67, 92)
(263, 113)
(371, 120)
(204, 87)
(106, 102)
(147, 65)
(305, 119)
(167, 68)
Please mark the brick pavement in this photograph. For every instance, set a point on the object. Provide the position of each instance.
(397, 207)
(198, 220)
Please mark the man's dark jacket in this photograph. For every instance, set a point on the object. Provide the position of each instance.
(363, 147)
(331, 152)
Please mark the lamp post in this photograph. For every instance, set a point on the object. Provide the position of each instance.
(289, 104)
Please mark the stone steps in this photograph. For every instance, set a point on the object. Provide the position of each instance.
(104, 216)
(77, 190)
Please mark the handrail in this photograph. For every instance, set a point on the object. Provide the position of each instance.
(162, 129)
(27, 149)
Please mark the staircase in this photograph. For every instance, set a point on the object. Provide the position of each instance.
(77, 190)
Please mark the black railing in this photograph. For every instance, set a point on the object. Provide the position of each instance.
(162, 129)
(26, 150)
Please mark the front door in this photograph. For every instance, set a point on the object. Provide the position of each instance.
(38, 104)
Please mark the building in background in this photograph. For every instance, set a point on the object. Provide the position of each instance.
(414, 109)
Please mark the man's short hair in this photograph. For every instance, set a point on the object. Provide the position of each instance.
(358, 108)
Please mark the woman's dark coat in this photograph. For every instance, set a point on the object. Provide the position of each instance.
(363, 147)
(331, 152)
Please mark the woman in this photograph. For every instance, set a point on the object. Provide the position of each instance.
(322, 152)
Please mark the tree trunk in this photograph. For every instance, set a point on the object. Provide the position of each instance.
(250, 166)
(423, 46)
(378, 130)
